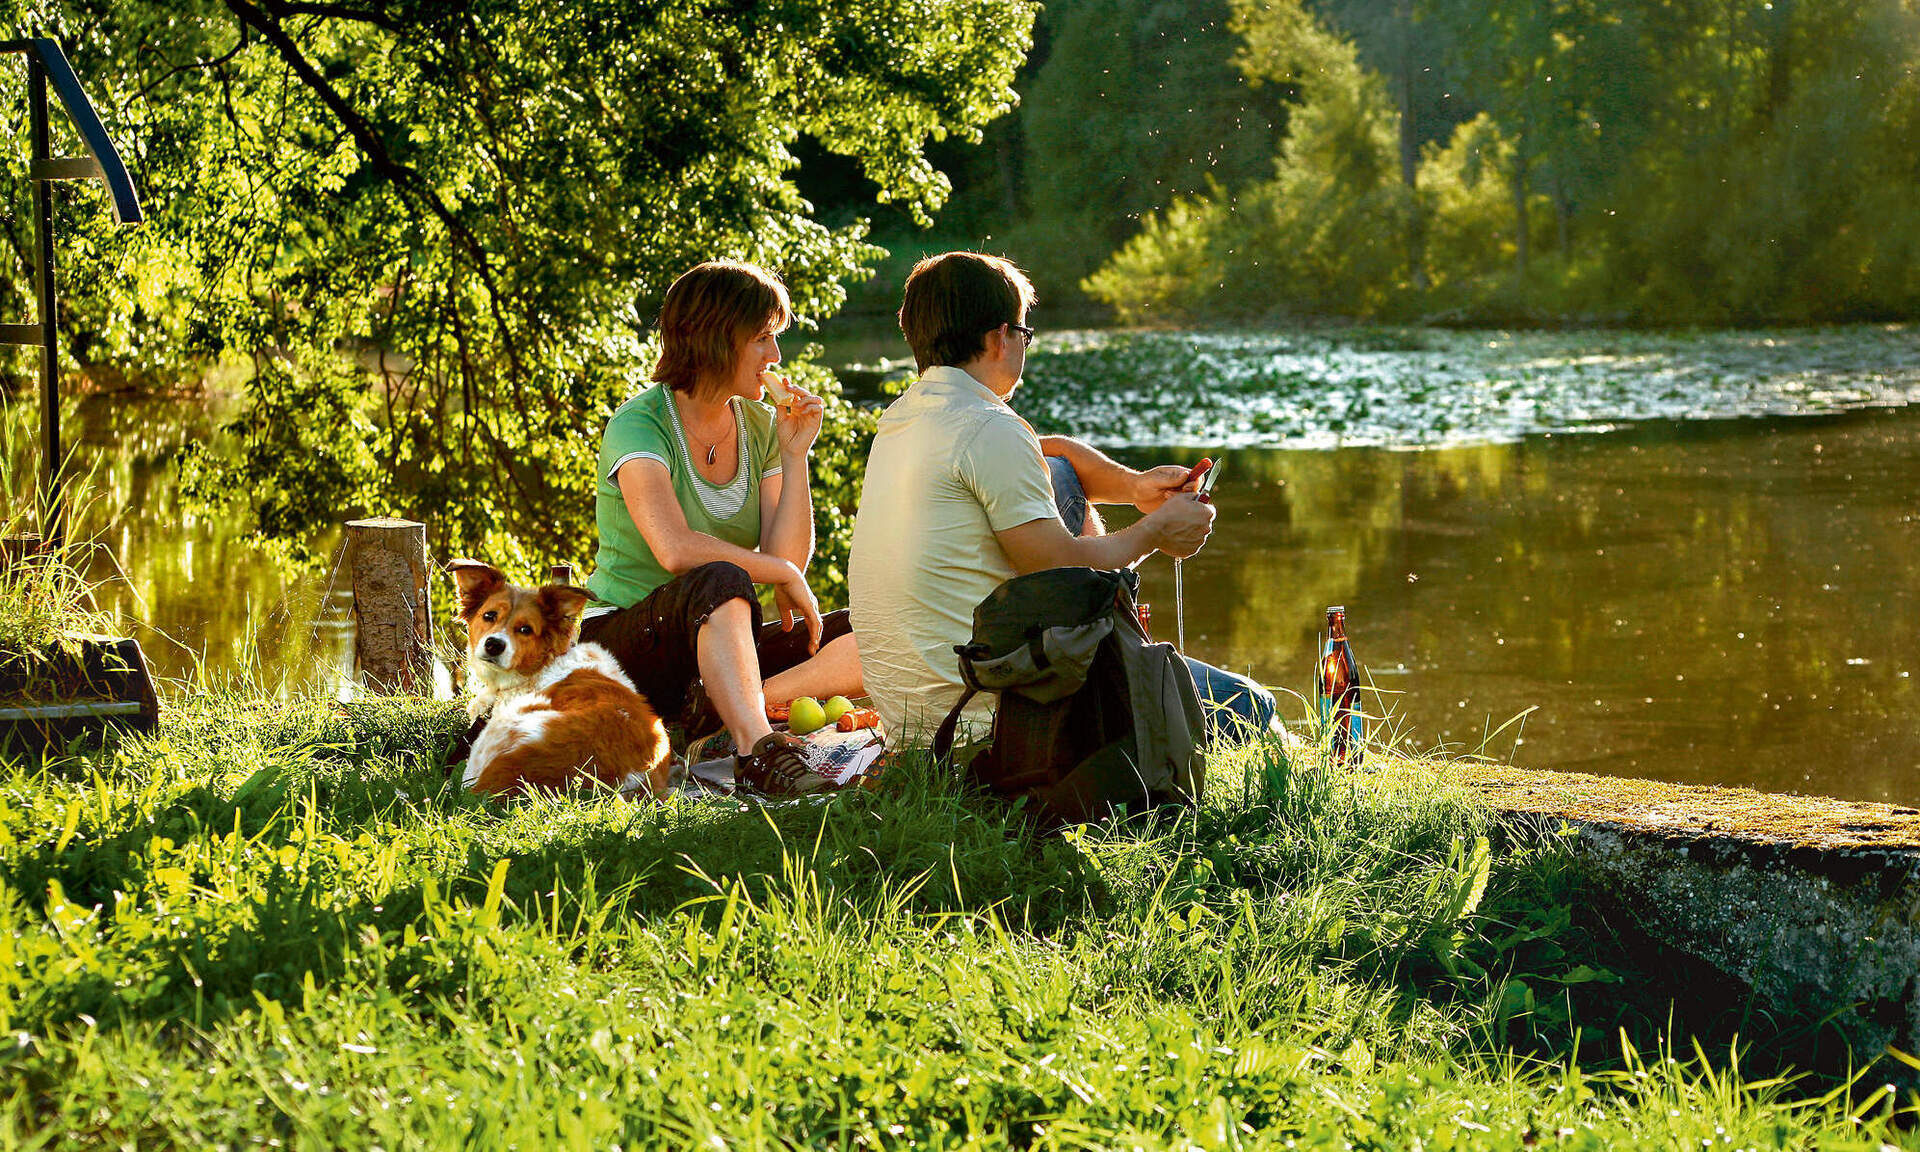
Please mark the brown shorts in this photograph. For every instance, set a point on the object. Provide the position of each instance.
(653, 641)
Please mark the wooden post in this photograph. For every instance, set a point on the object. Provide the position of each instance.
(392, 616)
(19, 551)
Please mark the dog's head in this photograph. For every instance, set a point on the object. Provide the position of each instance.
(512, 628)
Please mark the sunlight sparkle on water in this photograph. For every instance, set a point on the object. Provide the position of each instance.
(1426, 388)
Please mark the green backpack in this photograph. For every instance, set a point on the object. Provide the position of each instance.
(1093, 717)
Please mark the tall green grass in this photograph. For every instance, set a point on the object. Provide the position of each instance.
(278, 923)
(42, 600)
(45, 596)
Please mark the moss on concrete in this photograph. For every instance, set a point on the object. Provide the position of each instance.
(1691, 811)
(1813, 903)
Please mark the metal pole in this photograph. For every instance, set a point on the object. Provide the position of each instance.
(51, 512)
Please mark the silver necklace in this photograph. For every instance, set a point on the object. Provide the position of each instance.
(713, 449)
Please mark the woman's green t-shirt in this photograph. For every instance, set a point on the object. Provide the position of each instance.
(647, 427)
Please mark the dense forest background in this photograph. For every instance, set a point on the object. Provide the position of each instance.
(1452, 161)
(425, 242)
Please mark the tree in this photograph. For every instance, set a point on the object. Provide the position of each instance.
(1134, 105)
(1778, 176)
(1397, 40)
(435, 233)
(1695, 162)
(1304, 240)
(1571, 83)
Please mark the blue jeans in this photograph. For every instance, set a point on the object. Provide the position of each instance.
(1235, 706)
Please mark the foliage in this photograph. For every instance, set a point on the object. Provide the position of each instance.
(1180, 261)
(1640, 162)
(1795, 201)
(436, 234)
(1470, 237)
(838, 466)
(43, 597)
(279, 921)
(1320, 236)
(1135, 104)
(1126, 106)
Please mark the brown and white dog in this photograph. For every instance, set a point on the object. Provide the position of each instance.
(563, 714)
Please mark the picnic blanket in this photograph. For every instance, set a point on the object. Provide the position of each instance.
(850, 759)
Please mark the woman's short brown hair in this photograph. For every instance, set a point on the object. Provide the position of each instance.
(953, 300)
(710, 312)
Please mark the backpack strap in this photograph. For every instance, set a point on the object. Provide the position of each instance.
(943, 737)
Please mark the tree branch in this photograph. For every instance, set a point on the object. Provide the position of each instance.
(363, 133)
(375, 149)
(338, 12)
(218, 62)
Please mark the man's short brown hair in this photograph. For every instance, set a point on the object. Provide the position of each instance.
(953, 300)
(710, 312)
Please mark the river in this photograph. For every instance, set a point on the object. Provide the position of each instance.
(1689, 557)
(1729, 602)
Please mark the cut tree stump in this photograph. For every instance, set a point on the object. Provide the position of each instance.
(392, 610)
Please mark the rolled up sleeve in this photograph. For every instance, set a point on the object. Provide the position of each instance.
(1006, 472)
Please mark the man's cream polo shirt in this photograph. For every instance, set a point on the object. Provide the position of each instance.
(951, 465)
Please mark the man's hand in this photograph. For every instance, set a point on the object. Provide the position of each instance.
(1155, 485)
(793, 601)
(1181, 524)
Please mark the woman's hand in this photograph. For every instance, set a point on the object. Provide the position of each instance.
(793, 601)
(1155, 485)
(797, 423)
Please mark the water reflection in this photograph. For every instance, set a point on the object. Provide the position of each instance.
(1725, 602)
(200, 595)
(1706, 602)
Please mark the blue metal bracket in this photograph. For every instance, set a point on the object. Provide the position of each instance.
(47, 64)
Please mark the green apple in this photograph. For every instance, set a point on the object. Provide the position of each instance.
(805, 715)
(837, 707)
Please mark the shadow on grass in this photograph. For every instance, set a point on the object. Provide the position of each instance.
(208, 885)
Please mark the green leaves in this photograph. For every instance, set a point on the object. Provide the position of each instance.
(432, 234)
(1639, 162)
(1466, 874)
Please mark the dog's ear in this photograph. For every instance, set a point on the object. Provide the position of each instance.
(476, 582)
(561, 605)
(562, 601)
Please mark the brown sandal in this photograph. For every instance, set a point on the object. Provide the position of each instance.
(776, 768)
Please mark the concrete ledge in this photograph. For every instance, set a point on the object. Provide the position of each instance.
(1810, 902)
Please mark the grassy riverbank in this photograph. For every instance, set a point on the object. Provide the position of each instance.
(277, 923)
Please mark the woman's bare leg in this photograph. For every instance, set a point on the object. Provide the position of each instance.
(832, 671)
(730, 672)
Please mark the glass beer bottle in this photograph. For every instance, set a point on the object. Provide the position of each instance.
(1338, 692)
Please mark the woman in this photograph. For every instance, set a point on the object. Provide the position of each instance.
(702, 494)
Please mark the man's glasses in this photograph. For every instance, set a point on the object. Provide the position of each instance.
(1026, 333)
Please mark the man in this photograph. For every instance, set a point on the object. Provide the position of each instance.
(962, 495)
